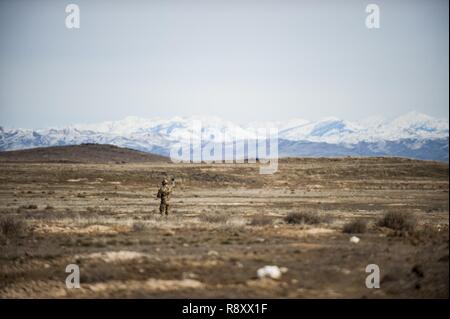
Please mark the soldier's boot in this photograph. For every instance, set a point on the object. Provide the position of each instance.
(167, 209)
(161, 209)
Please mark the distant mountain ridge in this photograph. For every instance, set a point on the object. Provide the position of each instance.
(414, 135)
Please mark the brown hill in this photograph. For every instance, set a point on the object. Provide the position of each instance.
(84, 153)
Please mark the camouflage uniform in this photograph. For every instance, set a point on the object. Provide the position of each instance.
(164, 193)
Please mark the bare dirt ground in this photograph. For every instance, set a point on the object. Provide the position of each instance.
(104, 217)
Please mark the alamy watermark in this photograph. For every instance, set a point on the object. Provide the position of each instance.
(73, 279)
(228, 145)
(373, 17)
(72, 20)
(73, 16)
(373, 280)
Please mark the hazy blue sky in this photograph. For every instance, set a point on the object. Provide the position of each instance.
(241, 60)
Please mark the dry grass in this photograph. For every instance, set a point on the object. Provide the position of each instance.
(210, 231)
(304, 218)
(236, 222)
(31, 206)
(139, 226)
(214, 218)
(261, 220)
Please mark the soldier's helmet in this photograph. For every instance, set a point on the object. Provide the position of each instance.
(165, 181)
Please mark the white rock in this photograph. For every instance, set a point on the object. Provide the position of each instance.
(273, 272)
(354, 240)
(213, 253)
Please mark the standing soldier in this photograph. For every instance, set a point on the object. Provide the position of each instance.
(164, 193)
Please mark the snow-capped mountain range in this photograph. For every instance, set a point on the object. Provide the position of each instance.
(412, 135)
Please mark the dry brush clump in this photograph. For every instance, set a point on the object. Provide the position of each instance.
(355, 227)
(400, 221)
(11, 227)
(304, 218)
(429, 233)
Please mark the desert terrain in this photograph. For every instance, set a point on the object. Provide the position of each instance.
(95, 206)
